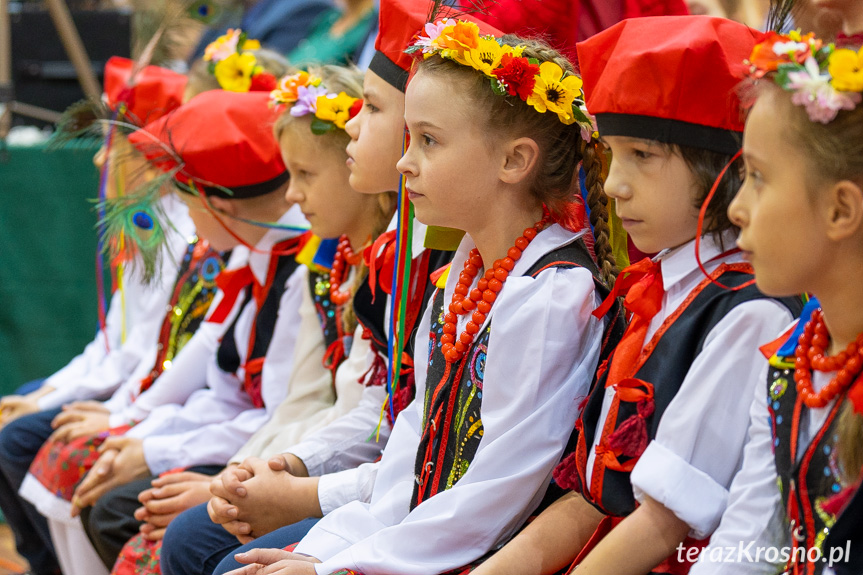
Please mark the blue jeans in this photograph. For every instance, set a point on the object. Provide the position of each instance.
(20, 441)
(212, 548)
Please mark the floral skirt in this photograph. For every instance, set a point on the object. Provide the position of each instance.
(61, 466)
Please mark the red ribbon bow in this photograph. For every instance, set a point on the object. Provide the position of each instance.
(641, 286)
(232, 283)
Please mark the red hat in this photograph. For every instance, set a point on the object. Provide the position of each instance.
(218, 140)
(669, 78)
(400, 21)
(155, 91)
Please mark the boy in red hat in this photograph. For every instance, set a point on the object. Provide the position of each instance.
(662, 433)
(219, 150)
(130, 327)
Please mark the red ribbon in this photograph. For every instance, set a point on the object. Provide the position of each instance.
(641, 286)
(380, 257)
(232, 283)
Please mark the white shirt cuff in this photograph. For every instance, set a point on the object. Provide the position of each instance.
(692, 495)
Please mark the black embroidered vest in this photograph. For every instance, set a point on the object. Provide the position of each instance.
(191, 297)
(227, 356)
(444, 455)
(808, 474)
(370, 312)
(337, 342)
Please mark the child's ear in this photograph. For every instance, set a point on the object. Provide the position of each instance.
(845, 210)
(222, 205)
(520, 159)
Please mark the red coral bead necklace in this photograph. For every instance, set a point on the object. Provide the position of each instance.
(479, 300)
(342, 263)
(810, 354)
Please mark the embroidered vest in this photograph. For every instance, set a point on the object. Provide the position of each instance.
(228, 356)
(191, 298)
(370, 312)
(331, 316)
(445, 452)
(665, 361)
(807, 480)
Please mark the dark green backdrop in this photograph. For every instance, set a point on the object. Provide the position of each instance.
(47, 260)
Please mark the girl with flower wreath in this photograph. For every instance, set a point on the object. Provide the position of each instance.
(497, 135)
(803, 150)
(662, 433)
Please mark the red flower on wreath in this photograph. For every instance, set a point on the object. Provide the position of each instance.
(518, 74)
(263, 82)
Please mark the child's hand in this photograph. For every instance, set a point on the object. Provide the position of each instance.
(14, 406)
(122, 461)
(274, 561)
(264, 501)
(72, 424)
(170, 495)
(86, 406)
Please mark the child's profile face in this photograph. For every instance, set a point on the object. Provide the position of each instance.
(376, 135)
(654, 192)
(779, 231)
(451, 165)
(319, 182)
(206, 225)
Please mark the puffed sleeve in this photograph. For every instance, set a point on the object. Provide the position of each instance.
(215, 422)
(542, 353)
(698, 447)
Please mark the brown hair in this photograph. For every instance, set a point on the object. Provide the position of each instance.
(350, 81)
(705, 166)
(834, 152)
(555, 181)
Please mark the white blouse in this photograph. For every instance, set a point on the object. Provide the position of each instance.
(542, 353)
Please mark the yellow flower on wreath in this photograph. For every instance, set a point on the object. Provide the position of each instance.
(555, 93)
(846, 70)
(486, 56)
(235, 72)
(335, 108)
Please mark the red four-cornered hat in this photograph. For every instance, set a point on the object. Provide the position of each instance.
(218, 140)
(400, 21)
(669, 78)
(151, 94)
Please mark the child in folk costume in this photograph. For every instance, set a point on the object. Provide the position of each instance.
(199, 146)
(802, 149)
(512, 344)
(376, 145)
(312, 139)
(661, 435)
(127, 338)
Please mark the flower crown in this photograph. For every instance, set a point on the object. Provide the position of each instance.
(544, 85)
(234, 66)
(306, 96)
(824, 79)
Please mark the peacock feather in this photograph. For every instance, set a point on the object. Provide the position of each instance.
(132, 228)
(779, 14)
(453, 9)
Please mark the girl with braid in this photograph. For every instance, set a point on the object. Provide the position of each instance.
(510, 341)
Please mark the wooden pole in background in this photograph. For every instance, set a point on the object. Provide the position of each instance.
(74, 48)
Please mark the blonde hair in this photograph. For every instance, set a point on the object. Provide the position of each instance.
(350, 81)
(555, 181)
